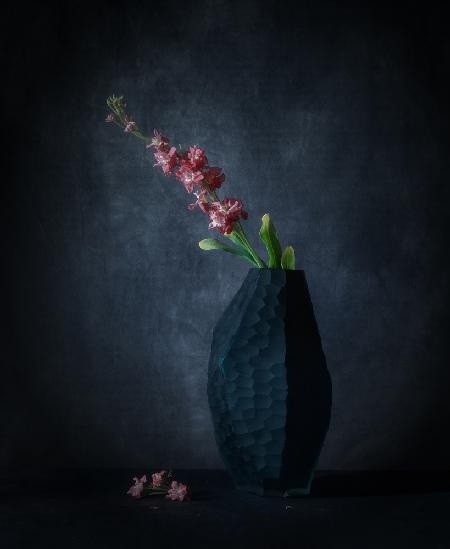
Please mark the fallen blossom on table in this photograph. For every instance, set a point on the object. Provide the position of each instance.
(159, 478)
(162, 484)
(178, 492)
(138, 487)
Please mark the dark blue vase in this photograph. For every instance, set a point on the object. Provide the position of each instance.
(269, 389)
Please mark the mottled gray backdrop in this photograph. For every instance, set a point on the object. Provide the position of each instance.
(332, 117)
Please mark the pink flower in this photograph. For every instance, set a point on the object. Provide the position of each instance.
(183, 157)
(224, 214)
(130, 125)
(201, 202)
(138, 487)
(197, 158)
(109, 118)
(159, 141)
(159, 478)
(188, 176)
(178, 492)
(214, 178)
(166, 160)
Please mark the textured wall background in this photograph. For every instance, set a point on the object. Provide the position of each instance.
(334, 118)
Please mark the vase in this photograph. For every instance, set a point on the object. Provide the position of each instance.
(269, 389)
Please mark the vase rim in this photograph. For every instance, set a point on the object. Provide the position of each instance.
(282, 270)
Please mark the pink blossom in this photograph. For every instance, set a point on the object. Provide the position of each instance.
(191, 168)
(159, 478)
(130, 125)
(138, 487)
(202, 201)
(214, 177)
(159, 141)
(224, 214)
(188, 176)
(166, 160)
(197, 158)
(109, 118)
(183, 157)
(178, 492)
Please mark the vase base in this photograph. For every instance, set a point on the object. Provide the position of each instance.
(294, 492)
(275, 492)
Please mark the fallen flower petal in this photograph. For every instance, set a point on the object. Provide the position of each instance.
(138, 487)
(178, 492)
(159, 478)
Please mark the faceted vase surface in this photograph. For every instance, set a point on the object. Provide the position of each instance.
(269, 389)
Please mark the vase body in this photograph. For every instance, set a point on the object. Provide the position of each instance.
(269, 389)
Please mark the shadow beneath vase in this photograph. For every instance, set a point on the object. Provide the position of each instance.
(378, 483)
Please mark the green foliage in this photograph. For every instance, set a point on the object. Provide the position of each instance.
(214, 244)
(238, 238)
(288, 259)
(268, 235)
(117, 106)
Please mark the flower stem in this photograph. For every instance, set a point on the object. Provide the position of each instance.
(116, 105)
(239, 232)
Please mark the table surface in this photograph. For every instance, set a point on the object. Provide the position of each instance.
(89, 508)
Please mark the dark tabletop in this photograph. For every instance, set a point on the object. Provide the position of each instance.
(90, 509)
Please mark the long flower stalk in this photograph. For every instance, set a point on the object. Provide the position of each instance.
(191, 168)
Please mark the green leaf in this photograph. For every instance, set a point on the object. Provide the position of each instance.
(288, 259)
(214, 244)
(268, 235)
